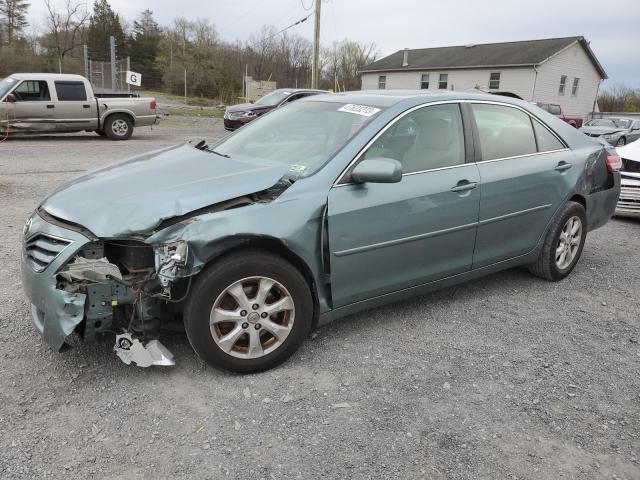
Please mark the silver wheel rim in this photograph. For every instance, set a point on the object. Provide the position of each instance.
(119, 127)
(569, 242)
(620, 142)
(252, 317)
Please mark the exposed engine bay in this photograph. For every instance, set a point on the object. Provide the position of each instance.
(129, 286)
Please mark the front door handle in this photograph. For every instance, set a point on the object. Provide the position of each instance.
(51, 106)
(464, 186)
(86, 106)
(563, 166)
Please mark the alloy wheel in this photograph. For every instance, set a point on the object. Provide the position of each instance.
(120, 127)
(569, 242)
(252, 317)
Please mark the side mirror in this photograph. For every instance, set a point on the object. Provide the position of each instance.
(11, 98)
(377, 170)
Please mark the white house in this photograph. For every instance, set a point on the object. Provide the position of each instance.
(554, 70)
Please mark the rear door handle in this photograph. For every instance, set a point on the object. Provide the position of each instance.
(51, 106)
(464, 186)
(562, 166)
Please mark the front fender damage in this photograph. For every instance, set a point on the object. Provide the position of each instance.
(136, 287)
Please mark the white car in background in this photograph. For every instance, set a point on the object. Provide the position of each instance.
(629, 202)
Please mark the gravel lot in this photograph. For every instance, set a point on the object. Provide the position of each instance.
(506, 377)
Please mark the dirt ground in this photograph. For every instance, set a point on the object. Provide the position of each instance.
(506, 377)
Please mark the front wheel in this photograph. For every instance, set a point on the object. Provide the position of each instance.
(621, 142)
(118, 127)
(563, 244)
(248, 312)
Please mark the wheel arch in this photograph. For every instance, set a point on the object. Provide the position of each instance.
(273, 246)
(110, 113)
(579, 199)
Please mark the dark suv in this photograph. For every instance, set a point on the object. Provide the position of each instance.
(237, 115)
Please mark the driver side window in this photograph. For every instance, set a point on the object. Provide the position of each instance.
(428, 138)
(32, 91)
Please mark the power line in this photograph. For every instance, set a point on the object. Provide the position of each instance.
(290, 26)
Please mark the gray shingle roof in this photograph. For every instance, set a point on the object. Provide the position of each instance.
(523, 53)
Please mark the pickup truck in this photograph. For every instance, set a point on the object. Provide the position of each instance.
(55, 103)
(555, 109)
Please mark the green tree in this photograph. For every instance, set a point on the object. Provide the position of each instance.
(14, 18)
(144, 46)
(103, 24)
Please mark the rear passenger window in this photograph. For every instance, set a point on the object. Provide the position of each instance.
(71, 91)
(426, 139)
(547, 141)
(504, 131)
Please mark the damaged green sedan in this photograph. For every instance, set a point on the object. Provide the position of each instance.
(328, 206)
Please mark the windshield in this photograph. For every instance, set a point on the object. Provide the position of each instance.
(622, 122)
(303, 135)
(609, 122)
(273, 98)
(6, 85)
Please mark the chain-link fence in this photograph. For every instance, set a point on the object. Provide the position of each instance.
(100, 75)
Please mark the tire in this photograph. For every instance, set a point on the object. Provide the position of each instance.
(548, 265)
(101, 133)
(621, 142)
(241, 354)
(118, 126)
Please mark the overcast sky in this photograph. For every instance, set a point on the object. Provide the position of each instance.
(613, 27)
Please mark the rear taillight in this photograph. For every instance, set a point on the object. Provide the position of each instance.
(153, 105)
(614, 163)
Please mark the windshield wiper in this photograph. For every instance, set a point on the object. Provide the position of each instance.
(218, 153)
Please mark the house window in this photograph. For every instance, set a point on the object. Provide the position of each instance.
(443, 81)
(563, 83)
(424, 81)
(494, 81)
(574, 89)
(382, 82)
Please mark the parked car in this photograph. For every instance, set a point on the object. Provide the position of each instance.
(629, 202)
(555, 109)
(615, 130)
(328, 206)
(239, 115)
(54, 103)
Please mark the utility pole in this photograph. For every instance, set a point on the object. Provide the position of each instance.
(315, 74)
(185, 86)
(112, 41)
(86, 61)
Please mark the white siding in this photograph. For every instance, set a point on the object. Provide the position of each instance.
(516, 80)
(572, 62)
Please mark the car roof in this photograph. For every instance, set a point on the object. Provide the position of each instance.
(47, 76)
(296, 90)
(388, 98)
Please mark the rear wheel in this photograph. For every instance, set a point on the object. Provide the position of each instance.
(563, 244)
(118, 127)
(621, 142)
(248, 312)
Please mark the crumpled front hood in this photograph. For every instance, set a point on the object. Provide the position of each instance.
(135, 196)
(601, 130)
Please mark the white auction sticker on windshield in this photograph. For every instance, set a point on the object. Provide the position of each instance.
(363, 110)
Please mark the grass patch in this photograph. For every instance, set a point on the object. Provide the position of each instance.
(195, 112)
(192, 101)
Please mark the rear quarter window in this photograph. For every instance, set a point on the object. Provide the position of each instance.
(71, 91)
